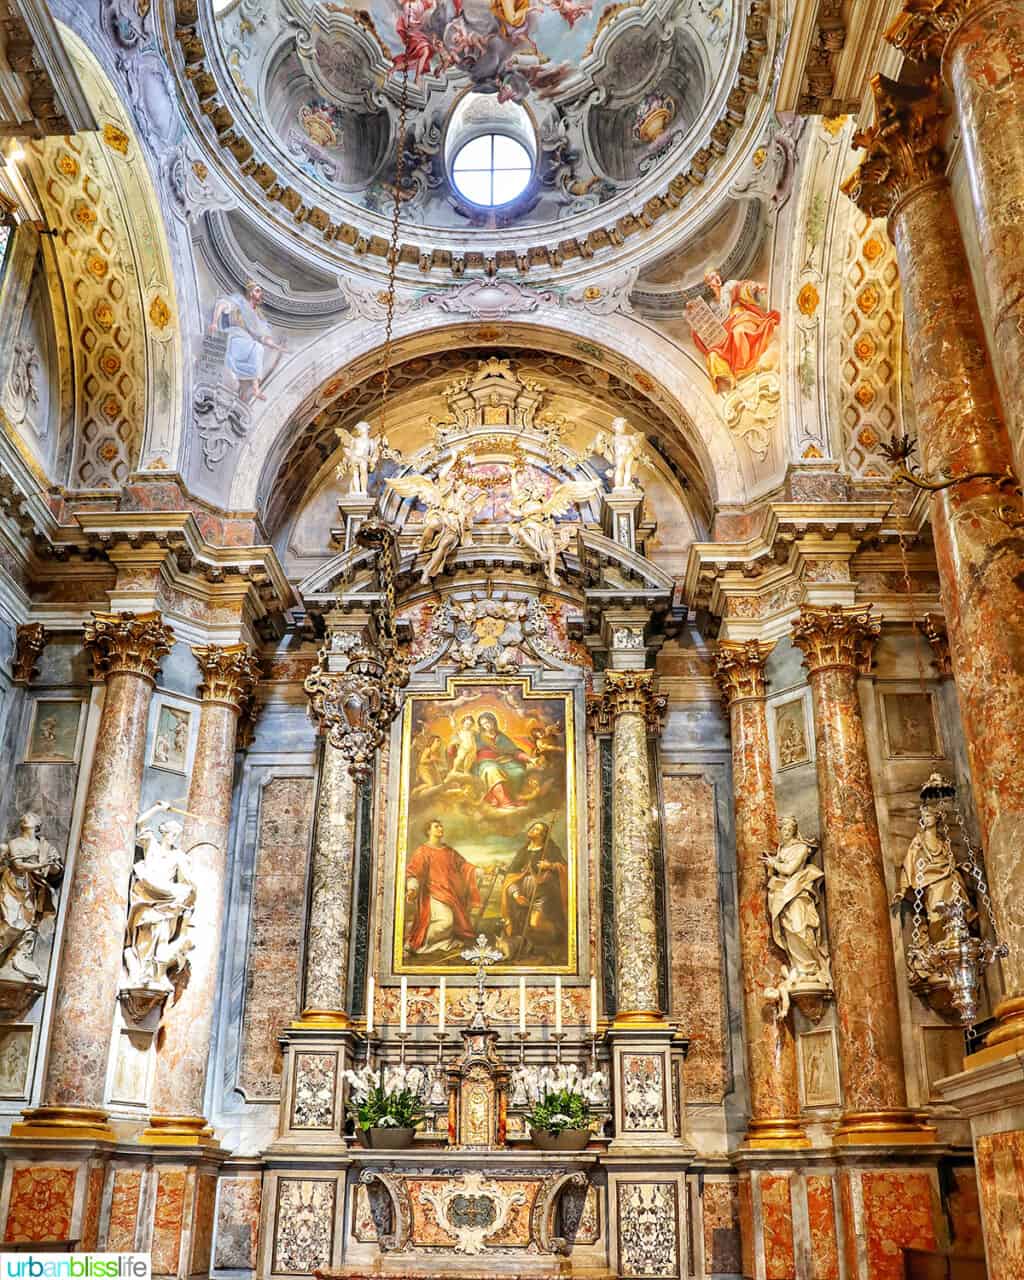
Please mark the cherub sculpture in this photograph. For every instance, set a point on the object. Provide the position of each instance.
(452, 506)
(534, 525)
(624, 449)
(360, 454)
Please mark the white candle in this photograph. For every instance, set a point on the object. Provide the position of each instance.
(593, 1006)
(441, 1000)
(522, 1006)
(558, 1004)
(403, 1011)
(369, 1005)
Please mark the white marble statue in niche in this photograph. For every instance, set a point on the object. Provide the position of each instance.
(794, 906)
(160, 905)
(30, 870)
(624, 449)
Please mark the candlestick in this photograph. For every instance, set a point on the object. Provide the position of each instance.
(369, 1005)
(522, 1006)
(522, 1035)
(441, 1003)
(403, 1010)
(558, 1037)
(558, 1004)
(403, 1036)
(593, 1005)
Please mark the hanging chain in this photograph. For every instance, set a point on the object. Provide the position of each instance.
(393, 250)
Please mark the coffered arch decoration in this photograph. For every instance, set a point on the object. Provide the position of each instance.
(115, 268)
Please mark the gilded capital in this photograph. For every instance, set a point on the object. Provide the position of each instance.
(230, 674)
(923, 30)
(31, 642)
(938, 638)
(131, 643)
(903, 147)
(834, 636)
(632, 693)
(739, 669)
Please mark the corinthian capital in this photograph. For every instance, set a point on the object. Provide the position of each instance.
(834, 636)
(30, 644)
(230, 674)
(739, 669)
(903, 147)
(127, 642)
(922, 31)
(633, 693)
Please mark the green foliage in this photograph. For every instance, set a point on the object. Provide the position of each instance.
(558, 1110)
(384, 1109)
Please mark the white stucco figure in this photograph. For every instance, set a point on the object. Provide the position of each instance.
(30, 867)
(624, 449)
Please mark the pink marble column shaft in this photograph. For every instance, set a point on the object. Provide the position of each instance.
(126, 649)
(771, 1053)
(229, 678)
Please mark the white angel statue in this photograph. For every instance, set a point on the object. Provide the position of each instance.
(452, 506)
(360, 454)
(533, 523)
(624, 449)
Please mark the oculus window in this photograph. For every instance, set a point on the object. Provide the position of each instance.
(492, 170)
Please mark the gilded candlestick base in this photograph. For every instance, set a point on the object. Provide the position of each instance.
(899, 1127)
(64, 1122)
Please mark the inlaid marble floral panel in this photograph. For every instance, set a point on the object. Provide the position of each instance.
(648, 1229)
(696, 978)
(42, 1198)
(898, 1215)
(1000, 1178)
(721, 1212)
(313, 1091)
(643, 1092)
(304, 1225)
(168, 1215)
(124, 1210)
(275, 932)
(238, 1222)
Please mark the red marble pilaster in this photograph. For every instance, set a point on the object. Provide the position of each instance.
(126, 649)
(837, 645)
(978, 517)
(230, 674)
(771, 1053)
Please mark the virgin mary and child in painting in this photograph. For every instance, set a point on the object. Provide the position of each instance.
(487, 807)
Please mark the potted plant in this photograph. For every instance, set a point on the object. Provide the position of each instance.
(386, 1105)
(561, 1098)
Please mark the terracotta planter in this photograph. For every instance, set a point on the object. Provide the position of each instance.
(567, 1140)
(386, 1138)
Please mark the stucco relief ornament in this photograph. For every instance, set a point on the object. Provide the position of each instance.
(794, 906)
(161, 899)
(534, 515)
(624, 449)
(452, 505)
(490, 633)
(30, 871)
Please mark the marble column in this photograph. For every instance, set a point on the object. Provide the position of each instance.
(771, 1052)
(330, 899)
(837, 643)
(977, 517)
(230, 674)
(126, 649)
(980, 46)
(630, 701)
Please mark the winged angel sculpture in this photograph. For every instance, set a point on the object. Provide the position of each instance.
(624, 449)
(452, 506)
(534, 517)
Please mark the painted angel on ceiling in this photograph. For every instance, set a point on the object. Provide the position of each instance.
(360, 454)
(534, 523)
(624, 449)
(453, 504)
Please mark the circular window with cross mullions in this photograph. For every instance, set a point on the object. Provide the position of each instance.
(491, 151)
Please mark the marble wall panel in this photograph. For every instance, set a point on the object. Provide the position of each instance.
(821, 1216)
(696, 977)
(648, 1230)
(746, 1201)
(313, 1090)
(721, 1225)
(644, 1092)
(304, 1225)
(238, 1223)
(41, 1203)
(898, 1214)
(963, 1205)
(272, 986)
(1000, 1178)
(777, 1223)
(168, 1215)
(91, 1214)
(15, 1060)
(124, 1210)
(202, 1224)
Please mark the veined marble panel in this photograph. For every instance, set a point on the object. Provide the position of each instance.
(1000, 1178)
(238, 1223)
(898, 1214)
(168, 1216)
(124, 1210)
(272, 974)
(41, 1202)
(721, 1223)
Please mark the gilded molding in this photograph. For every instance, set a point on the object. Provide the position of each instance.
(630, 693)
(834, 636)
(230, 675)
(739, 669)
(903, 147)
(127, 643)
(31, 642)
(923, 30)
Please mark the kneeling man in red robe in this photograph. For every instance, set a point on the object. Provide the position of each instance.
(441, 894)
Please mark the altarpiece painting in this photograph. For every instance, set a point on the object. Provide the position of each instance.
(486, 833)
